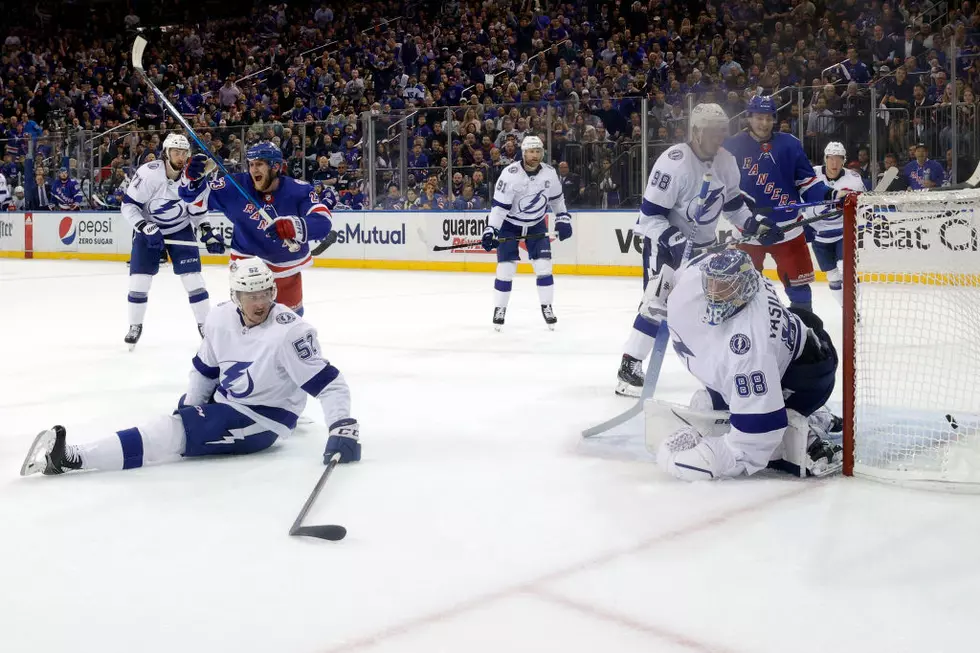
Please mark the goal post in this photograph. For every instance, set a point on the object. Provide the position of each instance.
(911, 345)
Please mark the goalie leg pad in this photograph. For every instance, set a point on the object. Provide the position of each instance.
(663, 417)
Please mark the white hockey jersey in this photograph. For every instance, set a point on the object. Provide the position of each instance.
(672, 195)
(523, 199)
(152, 196)
(832, 230)
(743, 359)
(266, 371)
(5, 196)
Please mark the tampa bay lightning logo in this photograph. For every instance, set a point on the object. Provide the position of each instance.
(533, 206)
(236, 380)
(712, 207)
(740, 344)
(166, 211)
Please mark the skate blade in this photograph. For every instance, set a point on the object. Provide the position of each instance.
(36, 459)
(624, 389)
(498, 327)
(131, 346)
(551, 327)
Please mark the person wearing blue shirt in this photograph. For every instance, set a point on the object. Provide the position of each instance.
(923, 172)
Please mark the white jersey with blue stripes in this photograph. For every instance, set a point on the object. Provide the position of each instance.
(672, 195)
(266, 371)
(832, 229)
(524, 199)
(152, 196)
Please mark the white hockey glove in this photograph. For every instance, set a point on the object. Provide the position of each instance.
(681, 456)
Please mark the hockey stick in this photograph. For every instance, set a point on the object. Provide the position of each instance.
(661, 340)
(324, 244)
(330, 532)
(185, 243)
(745, 239)
(443, 248)
(139, 45)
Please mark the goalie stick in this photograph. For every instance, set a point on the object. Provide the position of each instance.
(139, 45)
(330, 532)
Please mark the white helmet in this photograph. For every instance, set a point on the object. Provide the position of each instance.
(708, 115)
(531, 143)
(176, 142)
(19, 189)
(251, 275)
(834, 149)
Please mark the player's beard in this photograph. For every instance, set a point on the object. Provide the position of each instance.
(537, 164)
(264, 184)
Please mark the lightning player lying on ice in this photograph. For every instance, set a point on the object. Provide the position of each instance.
(828, 234)
(776, 172)
(296, 212)
(766, 370)
(521, 199)
(248, 385)
(671, 213)
(153, 208)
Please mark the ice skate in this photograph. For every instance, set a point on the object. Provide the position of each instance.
(549, 316)
(498, 317)
(629, 383)
(49, 455)
(135, 331)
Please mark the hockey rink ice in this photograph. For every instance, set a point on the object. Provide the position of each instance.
(479, 521)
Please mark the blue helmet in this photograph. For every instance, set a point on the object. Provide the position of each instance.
(761, 104)
(264, 152)
(729, 281)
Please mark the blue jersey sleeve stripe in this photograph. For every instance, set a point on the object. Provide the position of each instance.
(650, 209)
(320, 380)
(206, 370)
(506, 207)
(129, 200)
(760, 423)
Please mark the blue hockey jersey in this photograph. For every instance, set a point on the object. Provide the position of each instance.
(291, 198)
(66, 194)
(929, 171)
(776, 173)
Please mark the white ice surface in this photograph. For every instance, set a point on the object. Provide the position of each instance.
(478, 521)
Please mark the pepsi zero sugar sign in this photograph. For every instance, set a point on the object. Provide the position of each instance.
(97, 233)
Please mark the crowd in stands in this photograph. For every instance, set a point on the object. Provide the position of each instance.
(430, 100)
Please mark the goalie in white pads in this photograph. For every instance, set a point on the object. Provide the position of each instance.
(828, 235)
(248, 385)
(521, 199)
(674, 211)
(155, 211)
(768, 367)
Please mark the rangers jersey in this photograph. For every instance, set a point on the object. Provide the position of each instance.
(775, 173)
(523, 199)
(743, 359)
(67, 195)
(292, 198)
(152, 196)
(265, 372)
(672, 195)
(832, 229)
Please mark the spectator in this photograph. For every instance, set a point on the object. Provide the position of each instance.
(393, 200)
(571, 184)
(18, 200)
(922, 172)
(467, 201)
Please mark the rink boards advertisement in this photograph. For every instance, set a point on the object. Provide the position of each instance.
(603, 241)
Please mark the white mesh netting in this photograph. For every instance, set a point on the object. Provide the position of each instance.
(917, 337)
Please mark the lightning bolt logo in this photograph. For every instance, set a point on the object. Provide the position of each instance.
(231, 438)
(232, 377)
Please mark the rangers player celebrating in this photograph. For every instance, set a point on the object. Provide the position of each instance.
(248, 385)
(672, 212)
(297, 216)
(828, 234)
(521, 199)
(776, 172)
(768, 368)
(153, 208)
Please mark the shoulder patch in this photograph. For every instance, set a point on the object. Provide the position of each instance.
(512, 170)
(153, 165)
(675, 155)
(285, 318)
(740, 344)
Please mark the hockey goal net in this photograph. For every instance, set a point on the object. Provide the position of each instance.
(911, 355)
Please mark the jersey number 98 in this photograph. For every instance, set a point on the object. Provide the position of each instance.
(661, 181)
(750, 384)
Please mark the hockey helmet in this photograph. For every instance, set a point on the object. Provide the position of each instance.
(251, 275)
(176, 142)
(708, 114)
(531, 143)
(729, 281)
(761, 104)
(267, 152)
(834, 149)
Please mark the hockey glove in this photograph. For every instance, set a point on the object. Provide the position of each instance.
(211, 240)
(491, 238)
(287, 227)
(670, 248)
(343, 440)
(764, 229)
(563, 226)
(151, 232)
(195, 170)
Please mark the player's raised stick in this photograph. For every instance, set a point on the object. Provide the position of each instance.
(330, 532)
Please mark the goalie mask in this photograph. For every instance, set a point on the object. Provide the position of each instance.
(253, 289)
(729, 281)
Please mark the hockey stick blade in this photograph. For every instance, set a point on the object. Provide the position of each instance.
(886, 180)
(333, 533)
(324, 244)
